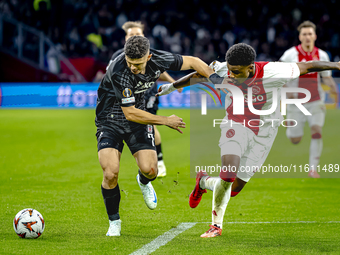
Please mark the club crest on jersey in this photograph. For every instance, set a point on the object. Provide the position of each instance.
(127, 92)
(256, 90)
(157, 74)
(230, 133)
(149, 127)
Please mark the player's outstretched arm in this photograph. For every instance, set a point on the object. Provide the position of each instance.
(202, 70)
(166, 77)
(196, 64)
(317, 66)
(185, 81)
(180, 83)
(136, 115)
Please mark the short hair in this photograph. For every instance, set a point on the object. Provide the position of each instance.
(240, 54)
(131, 24)
(306, 23)
(136, 47)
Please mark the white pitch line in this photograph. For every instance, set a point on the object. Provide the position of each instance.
(172, 233)
(275, 222)
(164, 239)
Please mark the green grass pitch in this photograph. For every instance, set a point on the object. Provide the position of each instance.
(48, 161)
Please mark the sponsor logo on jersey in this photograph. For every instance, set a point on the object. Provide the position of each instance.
(127, 92)
(141, 87)
(128, 100)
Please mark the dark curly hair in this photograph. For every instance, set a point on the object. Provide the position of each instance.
(136, 47)
(240, 54)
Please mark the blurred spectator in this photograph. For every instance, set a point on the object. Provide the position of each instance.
(194, 27)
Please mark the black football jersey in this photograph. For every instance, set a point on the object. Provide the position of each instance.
(121, 88)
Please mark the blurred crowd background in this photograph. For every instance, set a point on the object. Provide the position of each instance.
(206, 29)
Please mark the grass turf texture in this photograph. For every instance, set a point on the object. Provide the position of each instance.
(48, 161)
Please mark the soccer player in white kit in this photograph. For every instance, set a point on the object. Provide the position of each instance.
(307, 51)
(244, 146)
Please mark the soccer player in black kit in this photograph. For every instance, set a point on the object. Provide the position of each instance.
(132, 28)
(121, 116)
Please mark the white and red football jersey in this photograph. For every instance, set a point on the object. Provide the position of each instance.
(268, 75)
(310, 81)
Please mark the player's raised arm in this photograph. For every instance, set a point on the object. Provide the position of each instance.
(317, 66)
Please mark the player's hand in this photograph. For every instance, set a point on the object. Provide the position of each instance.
(165, 89)
(175, 122)
(180, 90)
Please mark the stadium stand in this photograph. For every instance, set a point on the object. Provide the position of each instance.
(206, 29)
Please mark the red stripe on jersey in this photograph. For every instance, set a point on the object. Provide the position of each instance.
(259, 99)
(309, 81)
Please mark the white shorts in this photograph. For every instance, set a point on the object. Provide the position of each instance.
(316, 108)
(252, 149)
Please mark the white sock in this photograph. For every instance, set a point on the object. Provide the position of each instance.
(208, 182)
(315, 150)
(221, 197)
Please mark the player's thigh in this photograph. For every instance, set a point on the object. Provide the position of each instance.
(234, 140)
(109, 159)
(256, 154)
(318, 112)
(110, 146)
(295, 120)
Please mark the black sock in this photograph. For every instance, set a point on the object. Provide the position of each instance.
(159, 152)
(143, 179)
(111, 201)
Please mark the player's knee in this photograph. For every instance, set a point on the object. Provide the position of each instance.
(295, 140)
(150, 172)
(316, 129)
(110, 177)
(316, 136)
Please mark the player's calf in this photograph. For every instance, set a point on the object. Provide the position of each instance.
(238, 185)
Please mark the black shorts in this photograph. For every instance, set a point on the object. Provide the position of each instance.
(151, 102)
(142, 138)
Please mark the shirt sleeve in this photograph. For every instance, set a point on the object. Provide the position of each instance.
(167, 61)
(176, 65)
(277, 73)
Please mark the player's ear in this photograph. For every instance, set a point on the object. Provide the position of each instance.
(251, 68)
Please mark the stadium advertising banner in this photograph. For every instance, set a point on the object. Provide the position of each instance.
(84, 95)
(68, 95)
